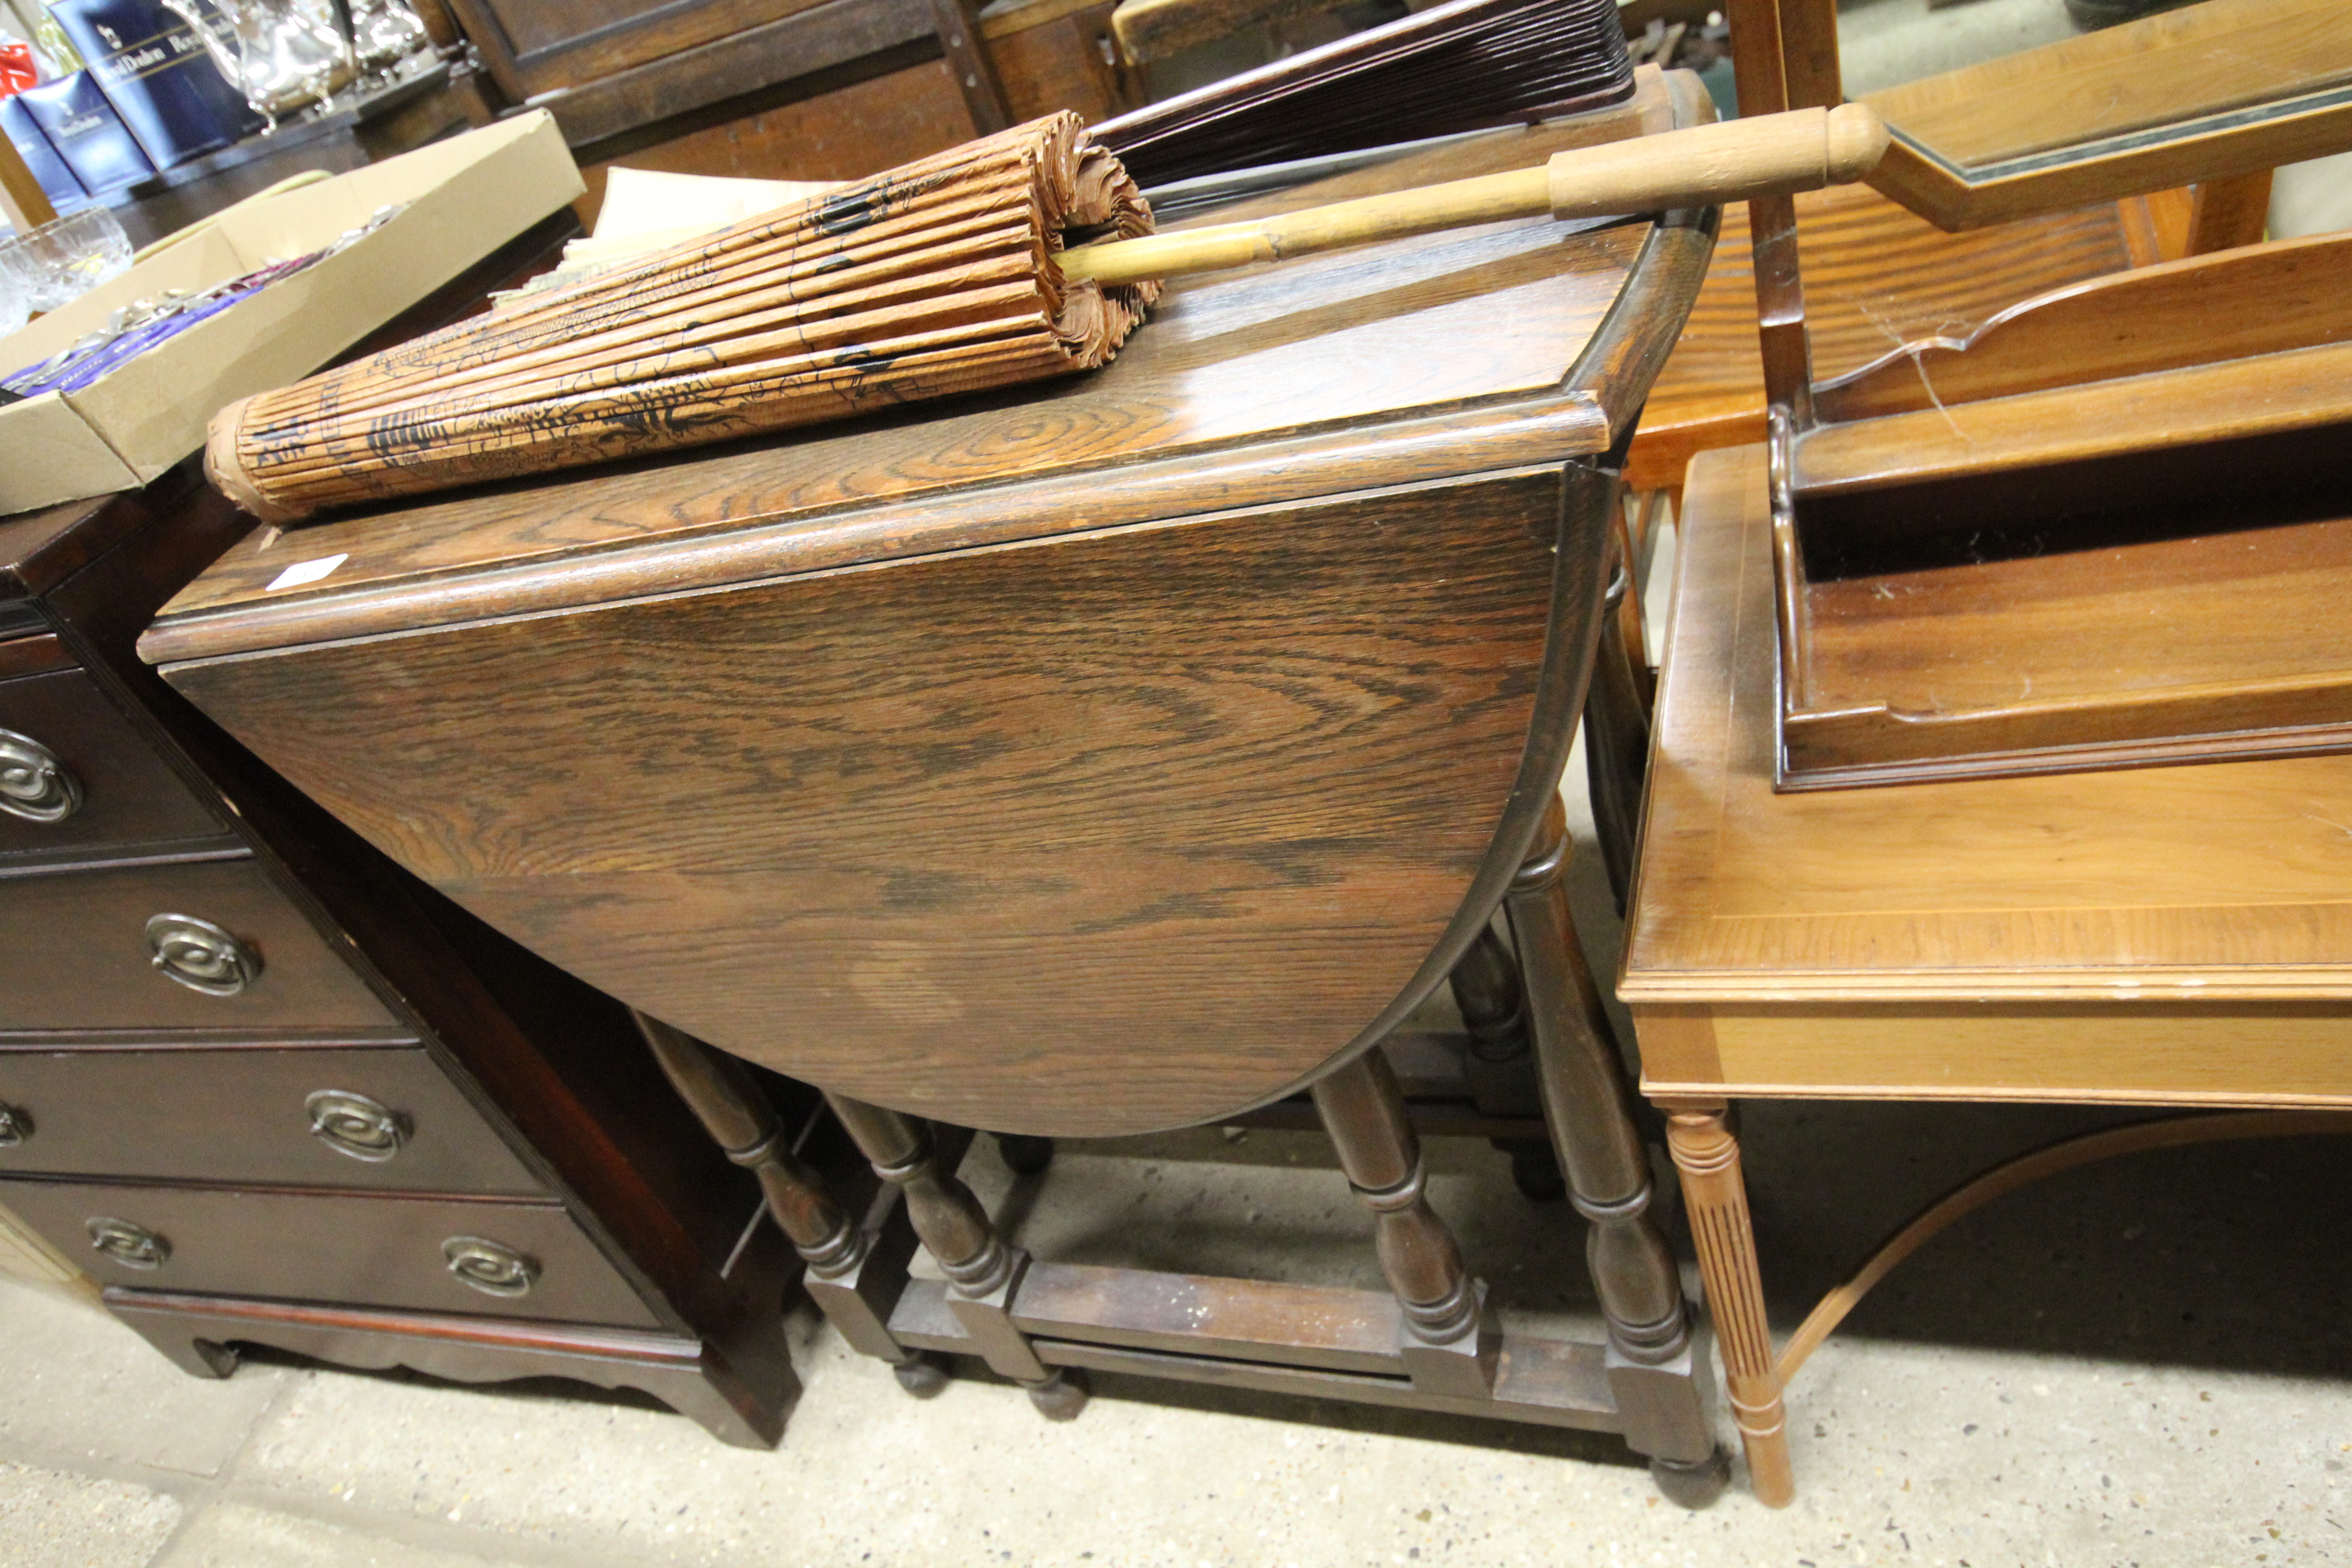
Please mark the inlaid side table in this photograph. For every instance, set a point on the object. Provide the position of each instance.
(2168, 937)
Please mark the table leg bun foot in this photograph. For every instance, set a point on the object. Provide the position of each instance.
(1535, 1171)
(1063, 1396)
(923, 1376)
(1024, 1155)
(1692, 1483)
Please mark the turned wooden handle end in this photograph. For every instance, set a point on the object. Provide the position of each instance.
(1857, 140)
(1730, 160)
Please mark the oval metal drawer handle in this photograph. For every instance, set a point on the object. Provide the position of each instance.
(132, 1245)
(34, 785)
(492, 1267)
(200, 955)
(354, 1124)
(15, 1125)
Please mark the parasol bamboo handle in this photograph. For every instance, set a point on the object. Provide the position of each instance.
(1771, 154)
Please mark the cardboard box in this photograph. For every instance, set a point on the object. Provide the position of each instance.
(465, 198)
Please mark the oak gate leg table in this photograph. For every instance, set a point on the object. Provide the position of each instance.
(1103, 757)
(2165, 936)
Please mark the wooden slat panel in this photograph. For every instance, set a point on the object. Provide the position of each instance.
(1551, 1383)
(2130, 166)
(1195, 1314)
(825, 128)
(34, 654)
(2197, 310)
(562, 43)
(1059, 54)
(1876, 276)
(2207, 403)
(2006, 635)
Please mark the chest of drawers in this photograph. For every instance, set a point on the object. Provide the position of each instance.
(268, 1091)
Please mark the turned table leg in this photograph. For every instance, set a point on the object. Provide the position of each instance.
(983, 1270)
(853, 1294)
(1715, 1194)
(1451, 1340)
(1657, 1368)
(1499, 1065)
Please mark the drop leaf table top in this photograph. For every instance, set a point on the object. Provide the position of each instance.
(1094, 758)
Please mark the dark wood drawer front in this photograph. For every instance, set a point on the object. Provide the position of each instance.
(33, 653)
(354, 1249)
(74, 953)
(330, 1117)
(77, 779)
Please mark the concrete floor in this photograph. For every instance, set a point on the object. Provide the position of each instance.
(2144, 1364)
(1883, 43)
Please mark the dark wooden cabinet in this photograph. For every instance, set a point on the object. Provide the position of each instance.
(793, 89)
(121, 792)
(268, 1089)
(535, 46)
(76, 952)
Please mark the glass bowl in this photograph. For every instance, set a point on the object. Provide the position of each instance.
(66, 257)
(15, 303)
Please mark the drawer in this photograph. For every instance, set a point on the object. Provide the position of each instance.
(382, 1117)
(351, 1250)
(77, 779)
(75, 955)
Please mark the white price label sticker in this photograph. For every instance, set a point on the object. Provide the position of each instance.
(304, 572)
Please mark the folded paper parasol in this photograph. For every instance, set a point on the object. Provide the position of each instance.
(945, 276)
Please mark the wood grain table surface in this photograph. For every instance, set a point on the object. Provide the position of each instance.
(1181, 706)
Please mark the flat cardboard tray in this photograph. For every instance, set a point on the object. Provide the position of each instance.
(459, 199)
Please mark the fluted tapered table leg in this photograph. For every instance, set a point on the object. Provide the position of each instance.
(1715, 1191)
(1656, 1367)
